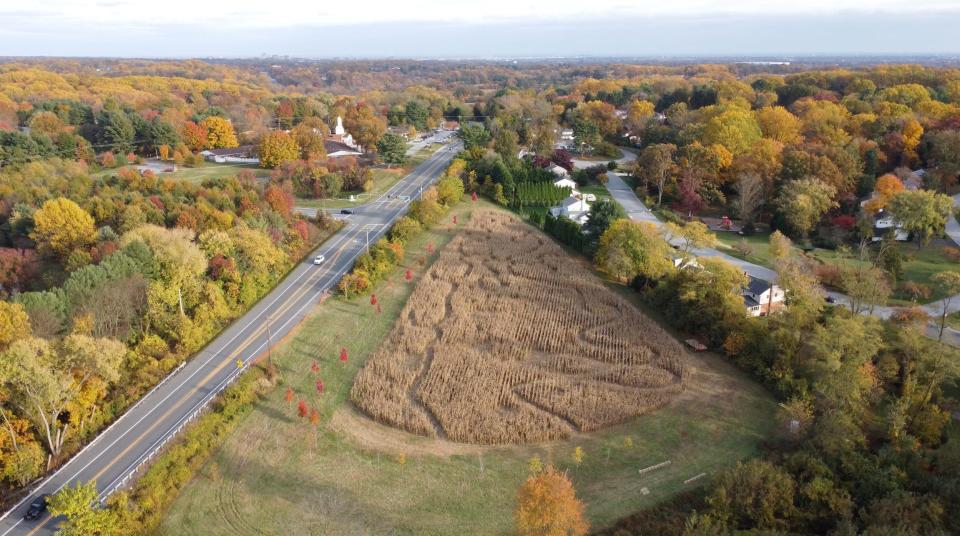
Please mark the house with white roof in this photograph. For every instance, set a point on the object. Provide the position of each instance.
(573, 208)
(566, 182)
(559, 171)
(885, 222)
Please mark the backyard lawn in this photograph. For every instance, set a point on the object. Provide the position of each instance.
(919, 263)
(278, 474)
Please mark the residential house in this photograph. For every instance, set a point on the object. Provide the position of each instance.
(914, 181)
(565, 182)
(244, 154)
(559, 171)
(336, 149)
(760, 297)
(885, 222)
(574, 208)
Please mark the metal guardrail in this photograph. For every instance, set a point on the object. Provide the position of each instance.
(121, 481)
(100, 435)
(144, 459)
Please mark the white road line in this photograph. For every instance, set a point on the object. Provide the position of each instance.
(415, 181)
(156, 406)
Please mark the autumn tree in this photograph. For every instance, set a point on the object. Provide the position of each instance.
(365, 124)
(753, 495)
(656, 165)
(220, 132)
(194, 136)
(61, 226)
(839, 354)
(689, 236)
(547, 505)
(777, 123)
(887, 187)
(735, 128)
(14, 323)
(80, 505)
(803, 202)
(780, 245)
(629, 249)
(600, 114)
(639, 113)
(749, 187)
(867, 286)
(948, 283)
(277, 147)
(310, 141)
(44, 378)
(922, 212)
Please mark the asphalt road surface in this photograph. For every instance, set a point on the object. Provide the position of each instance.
(623, 194)
(118, 451)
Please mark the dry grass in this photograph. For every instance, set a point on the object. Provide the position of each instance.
(507, 339)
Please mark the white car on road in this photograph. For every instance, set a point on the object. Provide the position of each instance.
(319, 259)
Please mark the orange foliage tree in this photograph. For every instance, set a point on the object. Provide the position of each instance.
(547, 505)
(887, 187)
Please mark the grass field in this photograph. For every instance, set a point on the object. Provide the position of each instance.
(277, 474)
(383, 179)
(919, 264)
(760, 242)
(206, 170)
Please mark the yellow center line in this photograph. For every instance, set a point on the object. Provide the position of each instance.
(286, 306)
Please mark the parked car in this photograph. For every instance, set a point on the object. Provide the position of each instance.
(319, 259)
(37, 508)
(346, 211)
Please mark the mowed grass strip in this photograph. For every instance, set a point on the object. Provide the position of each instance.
(278, 474)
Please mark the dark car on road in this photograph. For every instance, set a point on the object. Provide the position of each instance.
(346, 211)
(37, 508)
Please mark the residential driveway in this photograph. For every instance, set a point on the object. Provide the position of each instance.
(953, 227)
(637, 211)
(628, 156)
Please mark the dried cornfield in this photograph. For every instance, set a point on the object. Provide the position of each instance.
(507, 339)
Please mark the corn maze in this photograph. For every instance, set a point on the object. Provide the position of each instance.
(507, 339)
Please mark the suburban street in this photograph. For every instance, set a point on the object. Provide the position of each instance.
(637, 211)
(113, 458)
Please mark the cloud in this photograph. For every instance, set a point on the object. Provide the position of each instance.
(292, 13)
(227, 28)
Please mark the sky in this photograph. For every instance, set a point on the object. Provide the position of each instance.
(477, 29)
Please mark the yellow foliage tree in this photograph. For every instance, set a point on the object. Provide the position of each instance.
(777, 123)
(220, 132)
(14, 323)
(277, 147)
(887, 186)
(912, 132)
(61, 226)
(639, 112)
(547, 505)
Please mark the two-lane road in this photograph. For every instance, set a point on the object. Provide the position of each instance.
(136, 436)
